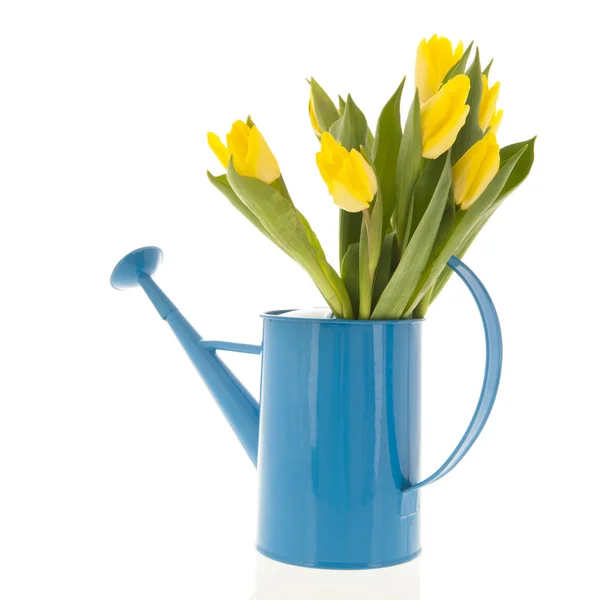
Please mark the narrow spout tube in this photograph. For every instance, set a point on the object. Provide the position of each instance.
(236, 403)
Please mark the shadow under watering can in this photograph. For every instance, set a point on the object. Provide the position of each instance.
(336, 436)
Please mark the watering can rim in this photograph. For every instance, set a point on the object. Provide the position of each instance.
(280, 315)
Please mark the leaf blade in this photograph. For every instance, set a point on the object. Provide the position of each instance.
(471, 132)
(386, 146)
(351, 131)
(397, 294)
(326, 111)
(291, 232)
(408, 167)
(465, 225)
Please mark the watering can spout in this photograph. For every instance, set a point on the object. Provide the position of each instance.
(237, 404)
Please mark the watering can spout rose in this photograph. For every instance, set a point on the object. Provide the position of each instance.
(336, 434)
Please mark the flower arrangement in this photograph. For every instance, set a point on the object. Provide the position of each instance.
(410, 197)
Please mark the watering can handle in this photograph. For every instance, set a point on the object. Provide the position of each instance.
(493, 367)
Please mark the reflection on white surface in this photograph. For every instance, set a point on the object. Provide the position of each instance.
(278, 581)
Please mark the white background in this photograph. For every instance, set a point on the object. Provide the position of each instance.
(118, 476)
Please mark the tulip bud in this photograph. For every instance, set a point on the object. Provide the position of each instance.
(349, 177)
(434, 59)
(443, 116)
(476, 168)
(487, 108)
(251, 155)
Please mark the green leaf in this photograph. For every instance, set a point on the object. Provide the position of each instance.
(447, 224)
(290, 231)
(460, 66)
(385, 152)
(408, 167)
(342, 105)
(375, 224)
(370, 140)
(459, 253)
(350, 274)
(369, 249)
(351, 128)
(350, 225)
(351, 131)
(518, 174)
(422, 194)
(471, 132)
(385, 266)
(486, 71)
(465, 224)
(397, 294)
(444, 232)
(223, 186)
(325, 110)
(523, 166)
(423, 306)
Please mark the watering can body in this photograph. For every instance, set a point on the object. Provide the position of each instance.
(339, 442)
(336, 439)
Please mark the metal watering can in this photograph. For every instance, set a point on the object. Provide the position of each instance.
(336, 439)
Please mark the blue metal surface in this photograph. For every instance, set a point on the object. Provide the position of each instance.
(339, 441)
(338, 457)
(143, 261)
(493, 369)
(235, 401)
(232, 347)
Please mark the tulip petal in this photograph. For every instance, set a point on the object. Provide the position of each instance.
(425, 75)
(349, 177)
(496, 120)
(217, 146)
(475, 170)
(435, 58)
(451, 98)
(360, 176)
(260, 161)
(237, 144)
(344, 198)
(330, 159)
(489, 98)
(443, 116)
(445, 138)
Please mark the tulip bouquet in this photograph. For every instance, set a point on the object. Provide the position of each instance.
(410, 197)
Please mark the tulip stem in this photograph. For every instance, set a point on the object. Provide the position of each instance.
(367, 218)
(365, 276)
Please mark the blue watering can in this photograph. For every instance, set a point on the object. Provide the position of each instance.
(336, 436)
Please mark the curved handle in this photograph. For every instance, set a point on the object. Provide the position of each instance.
(493, 368)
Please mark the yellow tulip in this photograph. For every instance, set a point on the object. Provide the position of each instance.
(476, 168)
(443, 116)
(487, 108)
(434, 59)
(252, 157)
(349, 177)
(313, 117)
(494, 124)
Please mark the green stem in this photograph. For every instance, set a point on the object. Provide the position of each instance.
(367, 219)
(365, 275)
